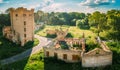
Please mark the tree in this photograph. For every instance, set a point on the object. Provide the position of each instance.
(114, 24)
(97, 20)
(83, 23)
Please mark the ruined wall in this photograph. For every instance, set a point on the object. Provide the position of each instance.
(97, 60)
(72, 56)
(50, 32)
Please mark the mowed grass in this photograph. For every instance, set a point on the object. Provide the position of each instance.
(73, 30)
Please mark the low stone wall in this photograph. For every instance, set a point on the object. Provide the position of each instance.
(97, 60)
(65, 55)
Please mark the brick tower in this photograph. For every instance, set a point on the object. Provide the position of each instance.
(22, 26)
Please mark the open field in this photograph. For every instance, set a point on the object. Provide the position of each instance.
(73, 30)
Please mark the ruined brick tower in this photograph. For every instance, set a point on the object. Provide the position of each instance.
(22, 25)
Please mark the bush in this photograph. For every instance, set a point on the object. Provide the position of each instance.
(0, 43)
(69, 35)
(91, 44)
(51, 35)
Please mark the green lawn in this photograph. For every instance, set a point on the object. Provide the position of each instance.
(73, 30)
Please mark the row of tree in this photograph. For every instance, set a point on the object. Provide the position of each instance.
(59, 18)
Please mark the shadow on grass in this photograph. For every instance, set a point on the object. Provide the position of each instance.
(15, 62)
(54, 64)
(8, 48)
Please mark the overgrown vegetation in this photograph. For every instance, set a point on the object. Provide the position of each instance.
(38, 62)
(63, 45)
(73, 32)
(91, 44)
(51, 36)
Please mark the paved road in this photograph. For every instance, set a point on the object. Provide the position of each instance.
(43, 42)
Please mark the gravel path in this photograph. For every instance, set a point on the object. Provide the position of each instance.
(43, 42)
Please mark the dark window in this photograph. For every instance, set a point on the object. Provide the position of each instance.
(65, 56)
(47, 53)
(14, 32)
(24, 29)
(55, 55)
(24, 22)
(16, 15)
(75, 57)
(24, 35)
(24, 15)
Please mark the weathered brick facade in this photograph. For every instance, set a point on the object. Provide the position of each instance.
(22, 26)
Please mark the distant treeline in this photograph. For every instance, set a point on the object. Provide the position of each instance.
(107, 25)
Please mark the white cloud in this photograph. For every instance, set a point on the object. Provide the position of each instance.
(65, 7)
(52, 7)
(1, 1)
(94, 3)
(23, 4)
(113, 1)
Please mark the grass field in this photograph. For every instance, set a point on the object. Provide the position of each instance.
(73, 30)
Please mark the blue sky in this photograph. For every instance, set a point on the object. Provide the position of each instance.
(86, 6)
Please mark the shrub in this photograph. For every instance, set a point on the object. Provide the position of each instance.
(51, 35)
(0, 43)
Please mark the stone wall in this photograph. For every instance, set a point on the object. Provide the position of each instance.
(65, 55)
(97, 60)
(22, 25)
(50, 32)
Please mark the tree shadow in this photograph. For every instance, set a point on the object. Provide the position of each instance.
(51, 63)
(18, 62)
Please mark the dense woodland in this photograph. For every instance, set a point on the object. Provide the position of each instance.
(107, 25)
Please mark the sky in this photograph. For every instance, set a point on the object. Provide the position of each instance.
(85, 6)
